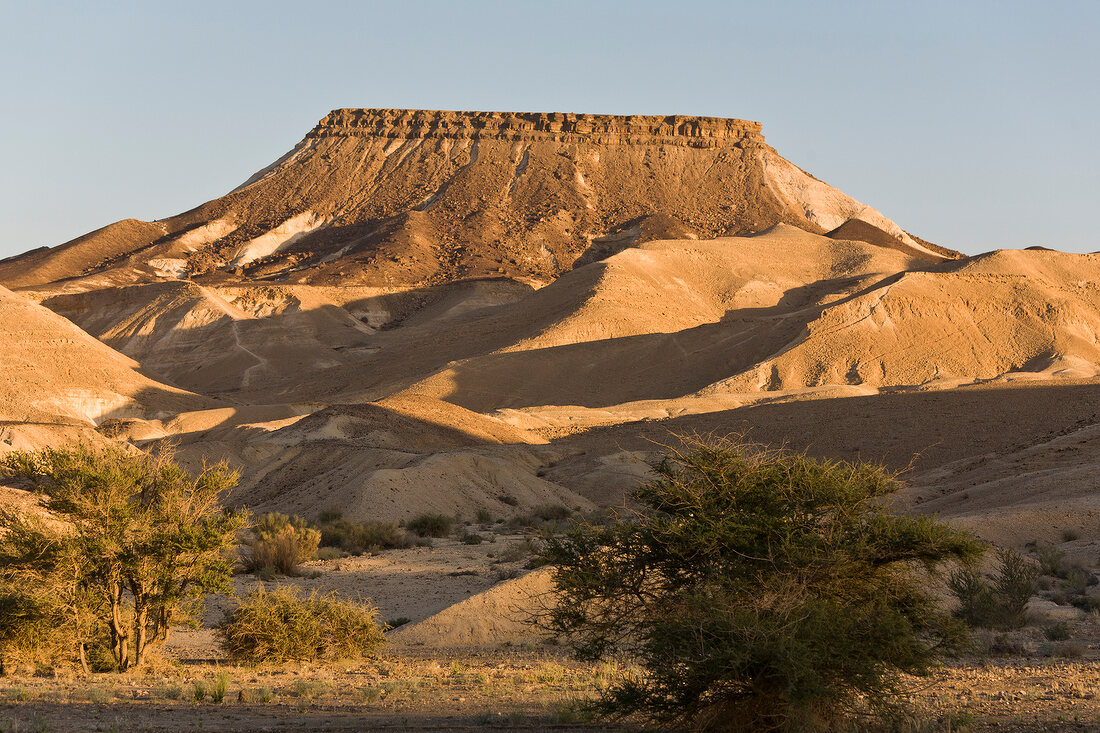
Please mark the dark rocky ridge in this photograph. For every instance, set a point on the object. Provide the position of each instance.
(702, 132)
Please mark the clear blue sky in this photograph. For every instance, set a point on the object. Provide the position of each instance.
(972, 124)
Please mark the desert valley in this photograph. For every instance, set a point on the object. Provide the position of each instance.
(505, 319)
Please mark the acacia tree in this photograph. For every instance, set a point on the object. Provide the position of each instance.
(758, 590)
(136, 544)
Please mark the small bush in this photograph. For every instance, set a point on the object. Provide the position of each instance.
(1013, 587)
(1069, 649)
(508, 499)
(1000, 604)
(1070, 535)
(170, 692)
(507, 573)
(483, 516)
(1050, 560)
(431, 525)
(358, 537)
(1006, 645)
(279, 543)
(310, 689)
(547, 519)
(472, 538)
(284, 626)
(1077, 580)
(517, 551)
(1057, 632)
(552, 513)
(221, 686)
(1088, 604)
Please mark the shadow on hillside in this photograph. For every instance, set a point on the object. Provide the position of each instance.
(897, 429)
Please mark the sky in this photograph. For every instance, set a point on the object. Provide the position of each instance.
(970, 124)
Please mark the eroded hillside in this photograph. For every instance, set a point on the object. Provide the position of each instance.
(413, 197)
(440, 311)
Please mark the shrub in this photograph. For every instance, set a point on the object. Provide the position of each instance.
(516, 551)
(1069, 649)
(1070, 535)
(278, 542)
(359, 537)
(1013, 586)
(975, 597)
(284, 626)
(551, 513)
(757, 589)
(1088, 604)
(998, 605)
(1050, 560)
(221, 686)
(431, 525)
(137, 545)
(472, 538)
(1077, 580)
(1057, 631)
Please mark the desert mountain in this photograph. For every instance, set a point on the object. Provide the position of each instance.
(412, 197)
(439, 311)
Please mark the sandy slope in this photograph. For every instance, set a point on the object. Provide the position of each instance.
(474, 377)
(55, 373)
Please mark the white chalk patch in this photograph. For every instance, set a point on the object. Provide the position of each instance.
(272, 241)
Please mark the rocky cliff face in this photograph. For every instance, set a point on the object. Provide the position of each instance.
(412, 197)
(699, 132)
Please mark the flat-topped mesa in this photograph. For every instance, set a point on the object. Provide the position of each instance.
(396, 198)
(700, 132)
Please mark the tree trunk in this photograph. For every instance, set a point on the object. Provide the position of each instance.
(83, 659)
(141, 618)
(120, 641)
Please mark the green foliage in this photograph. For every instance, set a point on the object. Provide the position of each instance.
(431, 525)
(359, 537)
(133, 546)
(757, 589)
(548, 518)
(221, 686)
(278, 543)
(999, 604)
(284, 626)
